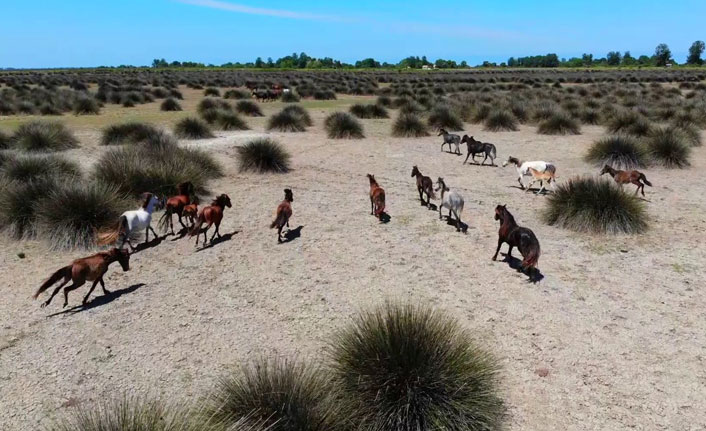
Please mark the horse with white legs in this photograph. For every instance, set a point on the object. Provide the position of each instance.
(453, 201)
(450, 138)
(131, 221)
(548, 176)
(523, 168)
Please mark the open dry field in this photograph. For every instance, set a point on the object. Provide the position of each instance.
(616, 320)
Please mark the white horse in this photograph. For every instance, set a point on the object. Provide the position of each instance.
(131, 221)
(523, 168)
(452, 201)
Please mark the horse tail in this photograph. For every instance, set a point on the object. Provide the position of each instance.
(197, 224)
(530, 243)
(493, 153)
(380, 202)
(64, 272)
(280, 220)
(164, 220)
(644, 179)
(111, 235)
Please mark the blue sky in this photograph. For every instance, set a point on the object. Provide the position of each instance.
(71, 33)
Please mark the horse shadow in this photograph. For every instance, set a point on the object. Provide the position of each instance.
(150, 244)
(452, 222)
(99, 301)
(223, 238)
(534, 190)
(183, 232)
(483, 165)
(430, 207)
(385, 218)
(292, 234)
(453, 152)
(534, 276)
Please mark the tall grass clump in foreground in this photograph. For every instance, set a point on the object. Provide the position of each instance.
(263, 155)
(409, 126)
(17, 205)
(501, 120)
(25, 168)
(278, 395)
(443, 117)
(595, 205)
(44, 136)
(669, 147)
(286, 121)
(192, 128)
(4, 141)
(404, 367)
(127, 133)
(559, 123)
(341, 125)
(299, 111)
(249, 108)
(620, 151)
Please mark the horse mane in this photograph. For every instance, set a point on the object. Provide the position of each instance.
(146, 198)
(508, 216)
(372, 179)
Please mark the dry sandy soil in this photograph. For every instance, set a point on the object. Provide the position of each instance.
(618, 322)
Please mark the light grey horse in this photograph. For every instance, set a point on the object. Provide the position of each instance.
(449, 139)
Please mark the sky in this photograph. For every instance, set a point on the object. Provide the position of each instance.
(87, 33)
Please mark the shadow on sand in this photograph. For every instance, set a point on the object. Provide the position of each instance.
(292, 234)
(225, 237)
(452, 222)
(99, 301)
(534, 276)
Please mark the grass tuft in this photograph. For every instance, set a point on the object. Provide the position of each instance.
(263, 155)
(669, 147)
(559, 123)
(409, 126)
(620, 152)
(192, 128)
(43, 136)
(341, 125)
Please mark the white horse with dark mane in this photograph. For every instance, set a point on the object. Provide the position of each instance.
(523, 168)
(132, 221)
(451, 200)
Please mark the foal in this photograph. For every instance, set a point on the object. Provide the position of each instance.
(548, 176)
(517, 236)
(377, 198)
(212, 214)
(176, 204)
(284, 212)
(90, 268)
(523, 168)
(424, 185)
(625, 177)
(190, 212)
(450, 138)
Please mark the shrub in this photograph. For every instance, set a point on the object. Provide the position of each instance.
(236, 94)
(590, 116)
(286, 121)
(403, 367)
(501, 120)
(86, 105)
(31, 168)
(249, 108)
(44, 136)
(211, 91)
(443, 117)
(669, 147)
(263, 155)
(324, 95)
(690, 132)
(409, 126)
(170, 104)
(595, 205)
(559, 124)
(384, 101)
(290, 97)
(192, 128)
(211, 103)
(480, 113)
(621, 152)
(4, 141)
(629, 122)
(127, 133)
(17, 205)
(369, 111)
(341, 125)
(229, 120)
(300, 112)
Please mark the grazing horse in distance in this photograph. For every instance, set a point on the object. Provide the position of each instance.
(452, 201)
(517, 236)
(477, 147)
(212, 214)
(176, 204)
(424, 186)
(449, 139)
(284, 212)
(377, 198)
(91, 268)
(523, 168)
(548, 176)
(131, 221)
(625, 177)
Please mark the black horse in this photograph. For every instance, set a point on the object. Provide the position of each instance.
(477, 147)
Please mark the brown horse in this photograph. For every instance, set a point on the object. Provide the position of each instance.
(190, 212)
(517, 236)
(625, 177)
(284, 212)
(212, 214)
(377, 198)
(424, 185)
(176, 204)
(90, 268)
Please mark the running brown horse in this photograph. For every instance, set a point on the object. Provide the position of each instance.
(517, 236)
(212, 214)
(175, 205)
(91, 268)
(284, 212)
(424, 185)
(191, 212)
(625, 177)
(377, 198)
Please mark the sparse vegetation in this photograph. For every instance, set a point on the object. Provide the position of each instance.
(621, 152)
(286, 121)
(43, 136)
(263, 155)
(369, 111)
(341, 125)
(128, 133)
(249, 108)
(501, 120)
(192, 128)
(444, 117)
(409, 126)
(669, 147)
(559, 123)
(170, 104)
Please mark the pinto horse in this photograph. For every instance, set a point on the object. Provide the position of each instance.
(131, 221)
(284, 212)
(377, 198)
(424, 186)
(523, 168)
(175, 205)
(212, 214)
(517, 236)
(90, 268)
(625, 177)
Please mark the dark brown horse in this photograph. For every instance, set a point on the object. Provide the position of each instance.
(212, 214)
(91, 268)
(176, 204)
(284, 212)
(377, 198)
(625, 177)
(424, 186)
(477, 147)
(517, 236)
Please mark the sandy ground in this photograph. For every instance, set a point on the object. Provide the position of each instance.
(617, 321)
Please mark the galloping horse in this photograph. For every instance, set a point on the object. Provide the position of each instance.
(523, 168)
(131, 221)
(548, 176)
(190, 212)
(449, 139)
(452, 201)
(90, 268)
(625, 177)
(176, 204)
(377, 198)
(516, 236)
(284, 212)
(477, 147)
(212, 214)
(424, 185)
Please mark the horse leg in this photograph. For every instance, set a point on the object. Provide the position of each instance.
(440, 216)
(63, 283)
(508, 256)
(153, 232)
(68, 289)
(458, 221)
(371, 206)
(85, 298)
(181, 222)
(421, 198)
(105, 291)
(529, 185)
(279, 234)
(519, 180)
(469, 155)
(215, 233)
(484, 159)
(147, 234)
(497, 250)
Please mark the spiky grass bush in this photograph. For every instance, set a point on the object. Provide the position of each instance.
(278, 395)
(404, 367)
(629, 122)
(409, 126)
(286, 121)
(384, 100)
(341, 125)
(128, 133)
(595, 205)
(559, 123)
(290, 97)
(86, 106)
(501, 120)
(301, 113)
(44, 136)
(444, 117)
(249, 108)
(229, 120)
(26, 168)
(236, 94)
(5, 141)
(212, 91)
(170, 104)
(620, 151)
(192, 128)
(669, 147)
(690, 131)
(17, 205)
(263, 155)
(324, 95)
(369, 111)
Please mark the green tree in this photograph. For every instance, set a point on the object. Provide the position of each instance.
(663, 55)
(259, 63)
(628, 60)
(613, 58)
(587, 59)
(695, 52)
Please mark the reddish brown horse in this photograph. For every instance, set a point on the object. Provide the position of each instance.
(424, 185)
(190, 212)
(377, 198)
(176, 204)
(212, 214)
(625, 177)
(90, 268)
(517, 236)
(284, 212)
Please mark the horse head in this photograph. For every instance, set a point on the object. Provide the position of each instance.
(288, 196)
(442, 132)
(500, 211)
(415, 171)
(512, 160)
(606, 169)
(465, 139)
(224, 201)
(441, 185)
(371, 178)
(123, 257)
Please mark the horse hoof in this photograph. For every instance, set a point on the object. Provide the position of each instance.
(44, 304)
